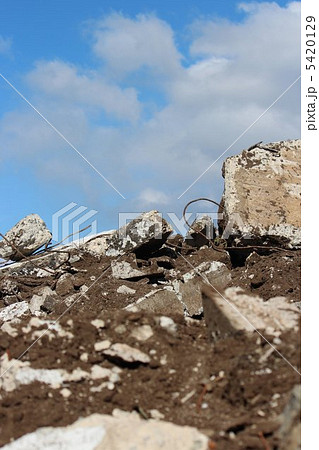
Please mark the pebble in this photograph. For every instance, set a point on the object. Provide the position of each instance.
(98, 323)
(102, 345)
(142, 333)
(65, 392)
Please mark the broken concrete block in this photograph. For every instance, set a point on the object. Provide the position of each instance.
(44, 265)
(125, 353)
(201, 227)
(12, 311)
(161, 301)
(189, 289)
(27, 236)
(45, 300)
(145, 234)
(261, 200)
(227, 312)
(114, 432)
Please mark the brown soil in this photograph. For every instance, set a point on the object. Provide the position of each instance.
(238, 409)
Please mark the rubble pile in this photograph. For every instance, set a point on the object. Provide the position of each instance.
(163, 340)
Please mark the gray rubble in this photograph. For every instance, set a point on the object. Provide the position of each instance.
(146, 233)
(27, 236)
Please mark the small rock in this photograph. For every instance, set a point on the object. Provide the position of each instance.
(84, 357)
(98, 323)
(155, 414)
(124, 352)
(142, 333)
(120, 329)
(103, 345)
(125, 290)
(160, 301)
(168, 324)
(124, 270)
(12, 311)
(65, 392)
(98, 372)
(45, 300)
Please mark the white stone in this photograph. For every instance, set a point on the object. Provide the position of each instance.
(125, 290)
(102, 345)
(65, 392)
(128, 354)
(15, 310)
(98, 323)
(142, 333)
(122, 431)
(168, 324)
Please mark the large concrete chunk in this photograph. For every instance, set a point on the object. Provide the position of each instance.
(261, 200)
(227, 312)
(27, 236)
(146, 233)
(122, 431)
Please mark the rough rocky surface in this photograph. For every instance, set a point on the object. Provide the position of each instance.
(146, 233)
(121, 325)
(200, 231)
(262, 196)
(117, 432)
(27, 236)
(227, 312)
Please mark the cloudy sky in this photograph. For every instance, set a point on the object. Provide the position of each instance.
(151, 93)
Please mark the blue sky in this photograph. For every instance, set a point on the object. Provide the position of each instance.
(151, 92)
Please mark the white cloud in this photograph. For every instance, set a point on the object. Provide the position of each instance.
(130, 44)
(5, 45)
(65, 82)
(153, 197)
(238, 69)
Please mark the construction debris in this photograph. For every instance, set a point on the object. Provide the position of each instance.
(24, 238)
(262, 196)
(125, 319)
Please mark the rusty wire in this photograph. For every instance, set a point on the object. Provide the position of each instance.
(226, 248)
(40, 253)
